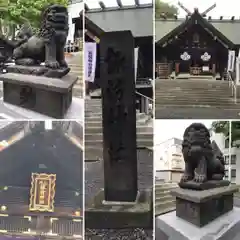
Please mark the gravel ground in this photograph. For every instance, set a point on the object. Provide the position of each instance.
(94, 182)
(118, 234)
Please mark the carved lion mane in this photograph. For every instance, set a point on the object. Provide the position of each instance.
(50, 22)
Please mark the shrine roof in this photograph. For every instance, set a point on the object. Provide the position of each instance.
(21, 196)
(229, 28)
(46, 151)
(139, 20)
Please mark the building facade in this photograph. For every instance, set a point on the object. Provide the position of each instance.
(223, 144)
(168, 159)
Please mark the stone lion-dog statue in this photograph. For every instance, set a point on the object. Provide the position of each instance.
(48, 44)
(203, 159)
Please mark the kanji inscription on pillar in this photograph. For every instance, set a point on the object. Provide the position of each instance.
(42, 192)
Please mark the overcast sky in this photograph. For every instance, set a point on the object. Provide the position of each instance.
(225, 8)
(113, 3)
(166, 129)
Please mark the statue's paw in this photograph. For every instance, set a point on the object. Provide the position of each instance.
(52, 64)
(200, 178)
(186, 177)
(63, 64)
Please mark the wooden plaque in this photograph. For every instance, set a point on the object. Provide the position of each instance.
(42, 192)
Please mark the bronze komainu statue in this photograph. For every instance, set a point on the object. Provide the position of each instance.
(48, 45)
(203, 160)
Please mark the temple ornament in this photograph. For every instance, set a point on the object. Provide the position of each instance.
(206, 57)
(42, 192)
(185, 56)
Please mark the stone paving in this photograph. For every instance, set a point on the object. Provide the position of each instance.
(94, 182)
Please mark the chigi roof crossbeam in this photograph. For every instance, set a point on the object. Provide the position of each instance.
(119, 6)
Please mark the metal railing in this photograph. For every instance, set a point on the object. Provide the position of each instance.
(14, 224)
(232, 84)
(146, 104)
(67, 227)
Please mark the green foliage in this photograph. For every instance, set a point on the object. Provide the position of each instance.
(19, 11)
(223, 127)
(162, 7)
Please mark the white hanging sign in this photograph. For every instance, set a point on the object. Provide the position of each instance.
(237, 71)
(185, 56)
(90, 58)
(206, 57)
(136, 62)
(231, 60)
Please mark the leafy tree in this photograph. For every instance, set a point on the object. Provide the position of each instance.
(162, 7)
(223, 127)
(15, 12)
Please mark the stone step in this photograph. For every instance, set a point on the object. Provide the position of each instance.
(96, 115)
(99, 137)
(141, 142)
(160, 211)
(191, 91)
(194, 98)
(166, 197)
(191, 81)
(188, 106)
(164, 207)
(98, 129)
(94, 153)
(199, 102)
(98, 124)
(164, 192)
(165, 185)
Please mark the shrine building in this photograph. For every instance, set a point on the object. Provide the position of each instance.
(196, 45)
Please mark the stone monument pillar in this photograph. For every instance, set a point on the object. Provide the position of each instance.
(119, 116)
(119, 204)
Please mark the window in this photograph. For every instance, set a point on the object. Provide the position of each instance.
(233, 173)
(233, 159)
(226, 144)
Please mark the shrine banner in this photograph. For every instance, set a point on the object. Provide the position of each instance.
(42, 192)
(90, 58)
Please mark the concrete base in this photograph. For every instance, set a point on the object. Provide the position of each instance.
(226, 227)
(99, 215)
(11, 112)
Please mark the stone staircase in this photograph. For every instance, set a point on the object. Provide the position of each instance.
(204, 96)
(93, 130)
(164, 201)
(75, 62)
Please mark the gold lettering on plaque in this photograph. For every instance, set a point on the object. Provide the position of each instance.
(42, 192)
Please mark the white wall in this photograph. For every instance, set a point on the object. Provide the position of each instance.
(73, 11)
(167, 157)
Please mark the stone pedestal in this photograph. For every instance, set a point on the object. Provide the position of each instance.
(48, 96)
(202, 207)
(170, 227)
(101, 214)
